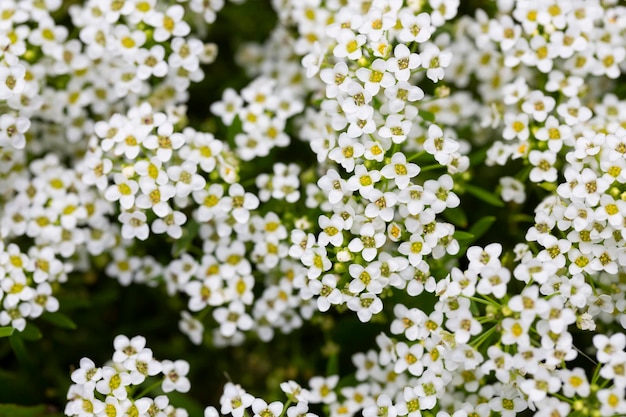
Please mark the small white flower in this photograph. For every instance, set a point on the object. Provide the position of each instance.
(175, 376)
(368, 242)
(349, 45)
(134, 224)
(400, 171)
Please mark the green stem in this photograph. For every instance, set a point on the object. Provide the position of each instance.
(596, 375)
(431, 168)
(484, 301)
(415, 156)
(482, 338)
(149, 389)
(287, 404)
(563, 398)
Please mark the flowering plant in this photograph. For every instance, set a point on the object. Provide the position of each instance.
(434, 190)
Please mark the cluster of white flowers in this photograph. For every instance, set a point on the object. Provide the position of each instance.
(57, 88)
(64, 220)
(111, 390)
(122, 52)
(406, 107)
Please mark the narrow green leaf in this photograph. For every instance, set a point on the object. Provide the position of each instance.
(478, 157)
(14, 410)
(456, 216)
(479, 228)
(348, 381)
(189, 234)
(193, 407)
(332, 366)
(59, 320)
(232, 130)
(31, 333)
(484, 195)
(17, 344)
(6, 331)
(427, 115)
(461, 235)
(548, 186)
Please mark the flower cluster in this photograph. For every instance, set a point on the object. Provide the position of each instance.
(64, 220)
(407, 129)
(111, 390)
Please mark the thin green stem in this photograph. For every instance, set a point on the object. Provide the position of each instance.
(149, 389)
(287, 404)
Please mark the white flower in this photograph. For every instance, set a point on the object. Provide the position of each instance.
(113, 382)
(12, 81)
(239, 203)
(516, 126)
(395, 128)
(331, 230)
(363, 180)
(349, 45)
(480, 258)
(165, 141)
(327, 292)
(381, 205)
(228, 107)
(415, 28)
(415, 249)
(399, 170)
(170, 223)
(186, 178)
(12, 130)
(156, 197)
(335, 79)
(435, 61)
(438, 194)
(538, 105)
(123, 190)
(348, 150)
(175, 376)
(375, 77)
(383, 408)
(134, 225)
(263, 409)
(368, 242)
(192, 327)
(365, 278)
(126, 348)
(512, 190)
(403, 62)
(235, 400)
(169, 24)
(321, 389)
(233, 318)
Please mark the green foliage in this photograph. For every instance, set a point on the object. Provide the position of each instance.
(14, 410)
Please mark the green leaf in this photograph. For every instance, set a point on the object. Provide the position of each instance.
(456, 216)
(478, 157)
(332, 366)
(17, 344)
(187, 402)
(14, 410)
(232, 130)
(31, 332)
(348, 381)
(548, 186)
(484, 195)
(59, 320)
(427, 115)
(479, 228)
(189, 234)
(6, 331)
(461, 235)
